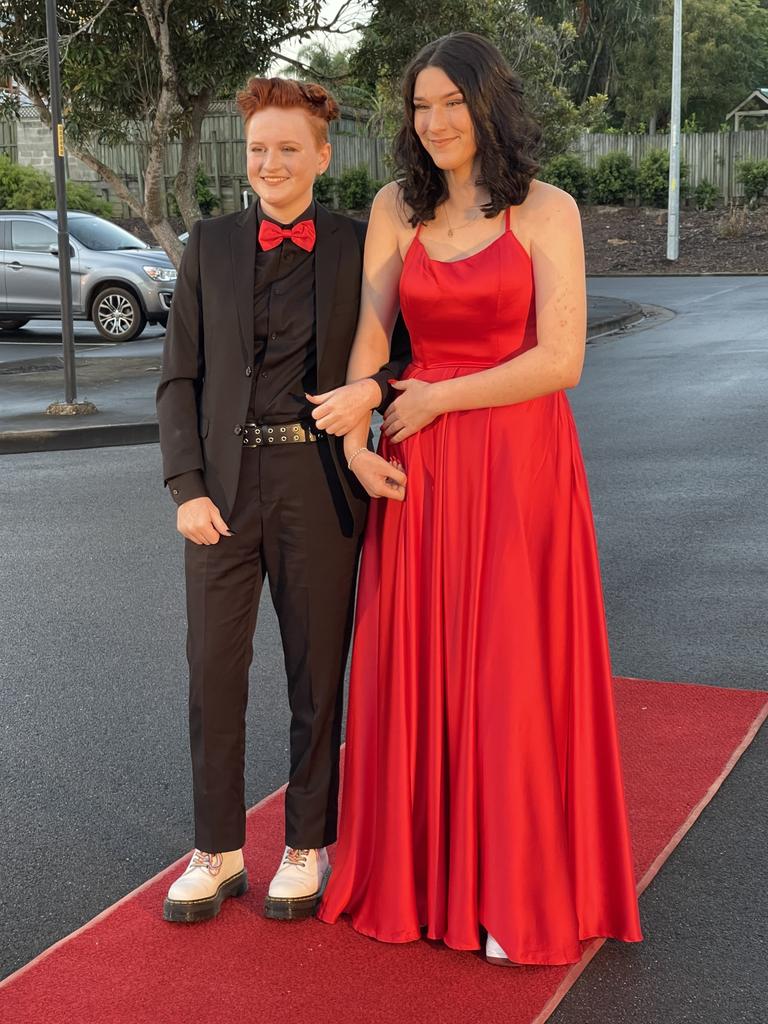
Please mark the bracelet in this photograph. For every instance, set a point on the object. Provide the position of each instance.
(354, 455)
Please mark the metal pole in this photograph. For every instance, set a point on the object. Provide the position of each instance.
(65, 274)
(673, 209)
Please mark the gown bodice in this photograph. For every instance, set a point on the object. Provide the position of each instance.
(475, 311)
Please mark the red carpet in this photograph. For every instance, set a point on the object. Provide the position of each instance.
(128, 966)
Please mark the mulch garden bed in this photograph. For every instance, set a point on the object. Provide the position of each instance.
(633, 240)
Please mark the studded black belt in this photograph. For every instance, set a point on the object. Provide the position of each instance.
(257, 435)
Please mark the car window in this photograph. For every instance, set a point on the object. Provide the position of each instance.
(102, 235)
(31, 236)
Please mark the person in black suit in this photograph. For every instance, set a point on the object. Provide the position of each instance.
(263, 316)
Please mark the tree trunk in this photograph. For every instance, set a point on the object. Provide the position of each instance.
(593, 65)
(184, 184)
(156, 14)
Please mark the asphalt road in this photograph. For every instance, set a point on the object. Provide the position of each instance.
(95, 768)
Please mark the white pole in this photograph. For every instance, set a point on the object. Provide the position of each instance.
(673, 208)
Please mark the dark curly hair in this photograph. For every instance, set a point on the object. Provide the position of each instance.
(508, 137)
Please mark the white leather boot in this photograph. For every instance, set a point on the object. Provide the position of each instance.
(494, 954)
(296, 889)
(208, 880)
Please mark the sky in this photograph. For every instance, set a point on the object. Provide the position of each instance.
(359, 12)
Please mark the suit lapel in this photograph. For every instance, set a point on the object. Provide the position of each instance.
(327, 254)
(243, 253)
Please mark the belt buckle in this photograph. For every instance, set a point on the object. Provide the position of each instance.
(252, 429)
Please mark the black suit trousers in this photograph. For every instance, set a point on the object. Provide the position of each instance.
(292, 526)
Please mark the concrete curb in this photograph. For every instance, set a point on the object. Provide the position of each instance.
(61, 439)
(66, 437)
(615, 323)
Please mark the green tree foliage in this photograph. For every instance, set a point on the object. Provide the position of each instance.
(147, 71)
(725, 56)
(542, 54)
(318, 62)
(604, 28)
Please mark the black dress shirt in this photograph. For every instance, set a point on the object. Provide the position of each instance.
(285, 350)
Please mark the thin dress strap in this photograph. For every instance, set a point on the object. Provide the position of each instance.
(506, 220)
(418, 230)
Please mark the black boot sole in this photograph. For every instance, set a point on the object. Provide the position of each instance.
(190, 911)
(298, 908)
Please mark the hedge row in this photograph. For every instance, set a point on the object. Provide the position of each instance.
(615, 180)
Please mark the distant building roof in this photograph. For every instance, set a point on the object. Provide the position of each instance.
(761, 95)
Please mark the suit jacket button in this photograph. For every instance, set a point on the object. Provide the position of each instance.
(238, 429)
(248, 371)
(175, 491)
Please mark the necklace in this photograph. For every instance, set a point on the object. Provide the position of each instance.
(448, 221)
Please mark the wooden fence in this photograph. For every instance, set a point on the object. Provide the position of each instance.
(8, 145)
(711, 155)
(222, 155)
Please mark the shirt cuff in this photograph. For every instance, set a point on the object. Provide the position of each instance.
(381, 379)
(187, 486)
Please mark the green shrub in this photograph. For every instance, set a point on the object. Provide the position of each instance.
(613, 180)
(706, 195)
(25, 188)
(325, 189)
(753, 175)
(653, 178)
(206, 200)
(568, 172)
(354, 189)
(80, 196)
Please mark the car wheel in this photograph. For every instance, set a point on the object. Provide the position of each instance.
(117, 314)
(12, 325)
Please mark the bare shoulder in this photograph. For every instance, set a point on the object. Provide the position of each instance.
(389, 200)
(548, 208)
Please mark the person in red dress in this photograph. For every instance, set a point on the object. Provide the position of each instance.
(483, 789)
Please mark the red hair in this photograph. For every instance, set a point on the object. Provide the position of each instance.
(316, 101)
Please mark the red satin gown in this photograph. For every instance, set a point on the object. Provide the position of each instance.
(483, 785)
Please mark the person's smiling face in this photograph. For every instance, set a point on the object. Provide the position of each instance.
(442, 121)
(284, 156)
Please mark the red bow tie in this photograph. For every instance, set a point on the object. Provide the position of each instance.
(301, 234)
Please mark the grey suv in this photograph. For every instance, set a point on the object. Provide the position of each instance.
(118, 281)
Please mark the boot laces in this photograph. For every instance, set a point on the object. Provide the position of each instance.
(298, 858)
(211, 862)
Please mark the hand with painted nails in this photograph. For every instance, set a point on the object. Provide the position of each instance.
(199, 520)
(339, 410)
(381, 479)
(413, 410)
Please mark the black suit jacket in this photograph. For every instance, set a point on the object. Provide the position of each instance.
(202, 398)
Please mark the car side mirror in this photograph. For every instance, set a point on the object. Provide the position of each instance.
(54, 249)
